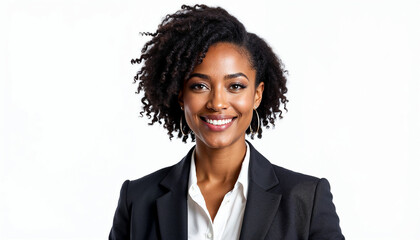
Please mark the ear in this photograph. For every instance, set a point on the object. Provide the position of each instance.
(181, 99)
(258, 94)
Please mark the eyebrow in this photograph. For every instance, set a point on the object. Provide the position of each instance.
(235, 75)
(229, 76)
(199, 75)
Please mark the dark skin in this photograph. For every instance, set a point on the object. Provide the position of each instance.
(217, 172)
(221, 88)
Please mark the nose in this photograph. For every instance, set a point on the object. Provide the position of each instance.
(217, 99)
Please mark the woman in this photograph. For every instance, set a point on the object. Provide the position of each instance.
(210, 80)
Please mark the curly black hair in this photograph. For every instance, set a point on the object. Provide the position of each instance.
(180, 43)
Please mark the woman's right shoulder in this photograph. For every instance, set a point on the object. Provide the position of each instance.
(148, 185)
(155, 184)
(152, 178)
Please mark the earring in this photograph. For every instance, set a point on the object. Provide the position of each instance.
(180, 126)
(258, 119)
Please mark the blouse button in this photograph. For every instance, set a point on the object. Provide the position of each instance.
(209, 235)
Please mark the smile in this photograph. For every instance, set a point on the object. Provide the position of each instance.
(218, 122)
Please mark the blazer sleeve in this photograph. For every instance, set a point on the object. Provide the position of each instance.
(325, 224)
(121, 225)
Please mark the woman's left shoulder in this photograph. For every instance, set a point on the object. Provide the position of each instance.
(282, 172)
(288, 181)
(291, 176)
(292, 181)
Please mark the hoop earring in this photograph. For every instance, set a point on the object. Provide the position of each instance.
(180, 127)
(250, 128)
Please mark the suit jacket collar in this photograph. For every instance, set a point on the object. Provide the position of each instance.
(261, 171)
(172, 206)
(260, 208)
(262, 204)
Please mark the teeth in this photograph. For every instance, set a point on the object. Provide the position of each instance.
(219, 122)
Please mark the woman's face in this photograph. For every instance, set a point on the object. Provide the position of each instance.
(219, 97)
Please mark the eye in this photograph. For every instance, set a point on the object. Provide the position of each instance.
(198, 86)
(237, 86)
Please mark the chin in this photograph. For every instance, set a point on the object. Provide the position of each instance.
(218, 142)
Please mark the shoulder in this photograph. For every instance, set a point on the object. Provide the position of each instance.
(159, 182)
(285, 181)
(295, 183)
(151, 179)
(310, 198)
(290, 177)
(147, 187)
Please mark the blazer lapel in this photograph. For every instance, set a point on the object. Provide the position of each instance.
(262, 205)
(172, 206)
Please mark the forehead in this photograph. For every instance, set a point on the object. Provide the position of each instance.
(222, 57)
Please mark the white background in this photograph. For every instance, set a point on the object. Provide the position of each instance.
(71, 132)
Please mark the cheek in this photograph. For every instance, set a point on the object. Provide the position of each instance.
(244, 105)
(192, 103)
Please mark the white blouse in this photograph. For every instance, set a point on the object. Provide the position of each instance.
(228, 220)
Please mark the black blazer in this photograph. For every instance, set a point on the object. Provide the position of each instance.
(281, 204)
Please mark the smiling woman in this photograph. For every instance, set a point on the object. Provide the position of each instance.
(209, 79)
(220, 96)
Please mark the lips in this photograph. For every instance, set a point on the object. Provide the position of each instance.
(218, 122)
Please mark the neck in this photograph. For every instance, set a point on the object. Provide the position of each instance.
(219, 164)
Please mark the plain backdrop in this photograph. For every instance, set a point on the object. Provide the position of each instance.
(70, 131)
